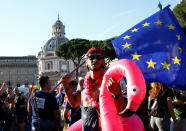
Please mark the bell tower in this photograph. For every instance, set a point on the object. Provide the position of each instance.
(58, 29)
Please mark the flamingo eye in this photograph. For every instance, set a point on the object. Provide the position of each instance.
(133, 90)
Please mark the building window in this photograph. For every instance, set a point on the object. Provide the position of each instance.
(10, 72)
(26, 79)
(64, 67)
(18, 72)
(34, 72)
(49, 65)
(26, 72)
(18, 78)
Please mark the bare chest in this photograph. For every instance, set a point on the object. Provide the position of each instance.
(93, 94)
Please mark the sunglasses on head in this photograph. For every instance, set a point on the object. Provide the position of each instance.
(92, 57)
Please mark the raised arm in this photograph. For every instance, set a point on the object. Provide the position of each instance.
(2, 88)
(74, 99)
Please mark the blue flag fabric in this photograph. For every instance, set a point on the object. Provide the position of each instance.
(158, 46)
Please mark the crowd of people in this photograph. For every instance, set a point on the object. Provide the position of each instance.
(162, 109)
(13, 109)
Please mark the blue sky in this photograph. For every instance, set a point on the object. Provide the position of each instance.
(26, 25)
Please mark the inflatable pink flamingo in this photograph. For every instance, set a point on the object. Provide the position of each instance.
(136, 89)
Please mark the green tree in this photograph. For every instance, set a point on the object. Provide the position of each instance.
(107, 47)
(180, 13)
(109, 51)
(74, 50)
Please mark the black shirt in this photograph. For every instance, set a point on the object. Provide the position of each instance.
(46, 104)
(19, 102)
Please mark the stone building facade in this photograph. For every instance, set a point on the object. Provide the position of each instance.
(18, 71)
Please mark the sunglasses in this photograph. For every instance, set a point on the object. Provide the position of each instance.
(92, 57)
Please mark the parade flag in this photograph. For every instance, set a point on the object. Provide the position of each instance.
(34, 87)
(158, 46)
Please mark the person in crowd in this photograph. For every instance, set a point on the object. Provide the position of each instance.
(75, 113)
(3, 107)
(90, 97)
(179, 104)
(143, 110)
(20, 108)
(11, 107)
(44, 108)
(60, 96)
(160, 107)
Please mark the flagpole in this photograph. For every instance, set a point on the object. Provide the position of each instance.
(77, 68)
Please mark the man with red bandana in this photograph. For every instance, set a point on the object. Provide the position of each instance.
(90, 97)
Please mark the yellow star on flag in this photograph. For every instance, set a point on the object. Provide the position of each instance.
(171, 27)
(135, 30)
(165, 65)
(126, 37)
(146, 24)
(150, 63)
(176, 60)
(180, 50)
(179, 37)
(126, 45)
(135, 56)
(158, 22)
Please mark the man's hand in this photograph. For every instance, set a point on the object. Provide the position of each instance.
(66, 80)
(113, 87)
(178, 102)
(4, 84)
(80, 82)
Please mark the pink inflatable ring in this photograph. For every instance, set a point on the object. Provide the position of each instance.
(136, 89)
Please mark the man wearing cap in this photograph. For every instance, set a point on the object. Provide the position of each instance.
(90, 97)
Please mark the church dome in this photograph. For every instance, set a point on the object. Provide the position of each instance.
(52, 43)
(58, 37)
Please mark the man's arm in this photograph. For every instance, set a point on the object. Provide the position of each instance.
(57, 116)
(2, 88)
(170, 108)
(29, 107)
(73, 99)
(177, 102)
(56, 112)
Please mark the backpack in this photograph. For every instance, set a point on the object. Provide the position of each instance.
(155, 108)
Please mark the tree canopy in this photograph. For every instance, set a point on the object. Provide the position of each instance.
(180, 13)
(74, 50)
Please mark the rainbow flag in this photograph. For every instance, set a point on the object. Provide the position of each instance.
(33, 87)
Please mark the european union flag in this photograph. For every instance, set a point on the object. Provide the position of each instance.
(158, 46)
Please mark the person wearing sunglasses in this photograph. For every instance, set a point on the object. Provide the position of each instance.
(95, 64)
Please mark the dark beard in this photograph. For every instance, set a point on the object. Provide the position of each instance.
(95, 69)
